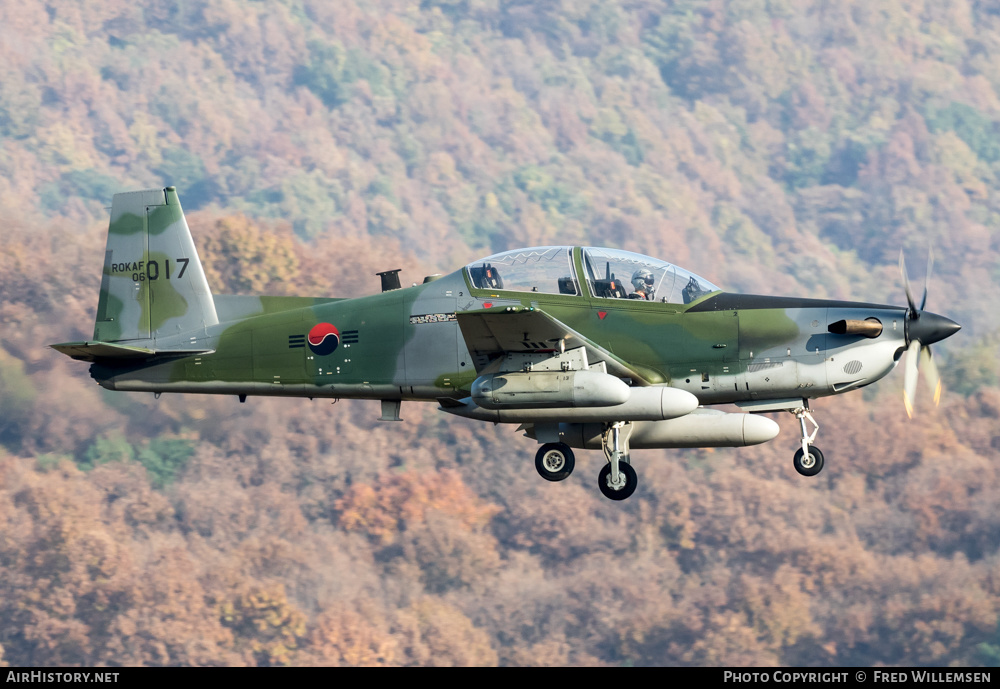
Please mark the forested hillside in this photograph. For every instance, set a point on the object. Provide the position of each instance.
(774, 147)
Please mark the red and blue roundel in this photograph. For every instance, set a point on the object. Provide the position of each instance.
(323, 339)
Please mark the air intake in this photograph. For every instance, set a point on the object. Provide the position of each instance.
(852, 367)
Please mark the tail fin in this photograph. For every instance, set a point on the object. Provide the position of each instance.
(153, 286)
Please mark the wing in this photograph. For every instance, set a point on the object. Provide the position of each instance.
(492, 333)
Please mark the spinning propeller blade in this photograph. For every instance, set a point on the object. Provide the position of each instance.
(922, 330)
(933, 378)
(906, 286)
(910, 374)
(927, 276)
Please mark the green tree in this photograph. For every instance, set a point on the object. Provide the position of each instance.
(108, 447)
(324, 74)
(164, 458)
(17, 393)
(977, 130)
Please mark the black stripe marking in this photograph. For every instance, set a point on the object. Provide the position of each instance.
(738, 302)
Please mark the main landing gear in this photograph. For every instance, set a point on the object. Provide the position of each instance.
(617, 479)
(808, 460)
(554, 461)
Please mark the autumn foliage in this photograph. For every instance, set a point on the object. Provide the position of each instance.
(777, 148)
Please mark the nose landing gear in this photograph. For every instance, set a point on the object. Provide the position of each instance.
(808, 460)
(808, 464)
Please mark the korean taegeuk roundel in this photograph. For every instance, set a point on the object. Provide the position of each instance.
(323, 339)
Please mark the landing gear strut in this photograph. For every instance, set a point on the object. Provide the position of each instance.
(808, 460)
(617, 479)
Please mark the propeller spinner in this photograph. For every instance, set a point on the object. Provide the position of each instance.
(922, 330)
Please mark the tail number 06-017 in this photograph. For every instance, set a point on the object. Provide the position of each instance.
(150, 270)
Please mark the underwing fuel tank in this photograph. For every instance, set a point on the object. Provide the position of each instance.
(652, 403)
(546, 389)
(702, 428)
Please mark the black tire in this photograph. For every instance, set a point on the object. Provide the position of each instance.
(812, 465)
(631, 481)
(554, 461)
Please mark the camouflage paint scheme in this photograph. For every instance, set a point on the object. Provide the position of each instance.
(240, 345)
(160, 329)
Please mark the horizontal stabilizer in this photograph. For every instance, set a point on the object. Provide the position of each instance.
(92, 351)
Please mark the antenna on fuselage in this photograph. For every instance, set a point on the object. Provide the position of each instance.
(390, 279)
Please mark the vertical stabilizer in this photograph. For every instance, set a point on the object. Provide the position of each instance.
(153, 285)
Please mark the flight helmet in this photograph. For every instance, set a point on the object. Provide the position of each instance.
(642, 280)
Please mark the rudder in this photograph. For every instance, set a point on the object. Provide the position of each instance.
(153, 286)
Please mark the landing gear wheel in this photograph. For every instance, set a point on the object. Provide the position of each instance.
(630, 481)
(808, 465)
(554, 461)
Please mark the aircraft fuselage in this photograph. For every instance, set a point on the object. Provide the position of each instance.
(407, 344)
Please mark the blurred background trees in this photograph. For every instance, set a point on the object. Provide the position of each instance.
(779, 148)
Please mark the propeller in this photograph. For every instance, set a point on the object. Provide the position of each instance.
(922, 330)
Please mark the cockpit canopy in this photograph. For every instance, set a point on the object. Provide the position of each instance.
(607, 274)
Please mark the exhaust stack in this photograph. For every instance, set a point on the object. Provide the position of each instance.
(870, 327)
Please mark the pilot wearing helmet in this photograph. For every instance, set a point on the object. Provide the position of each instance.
(642, 282)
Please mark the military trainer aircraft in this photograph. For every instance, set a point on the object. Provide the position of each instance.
(583, 347)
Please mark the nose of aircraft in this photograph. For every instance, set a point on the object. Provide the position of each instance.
(929, 328)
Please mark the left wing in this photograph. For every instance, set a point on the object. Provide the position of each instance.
(492, 333)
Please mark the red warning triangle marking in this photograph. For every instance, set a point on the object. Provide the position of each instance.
(488, 305)
(602, 314)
